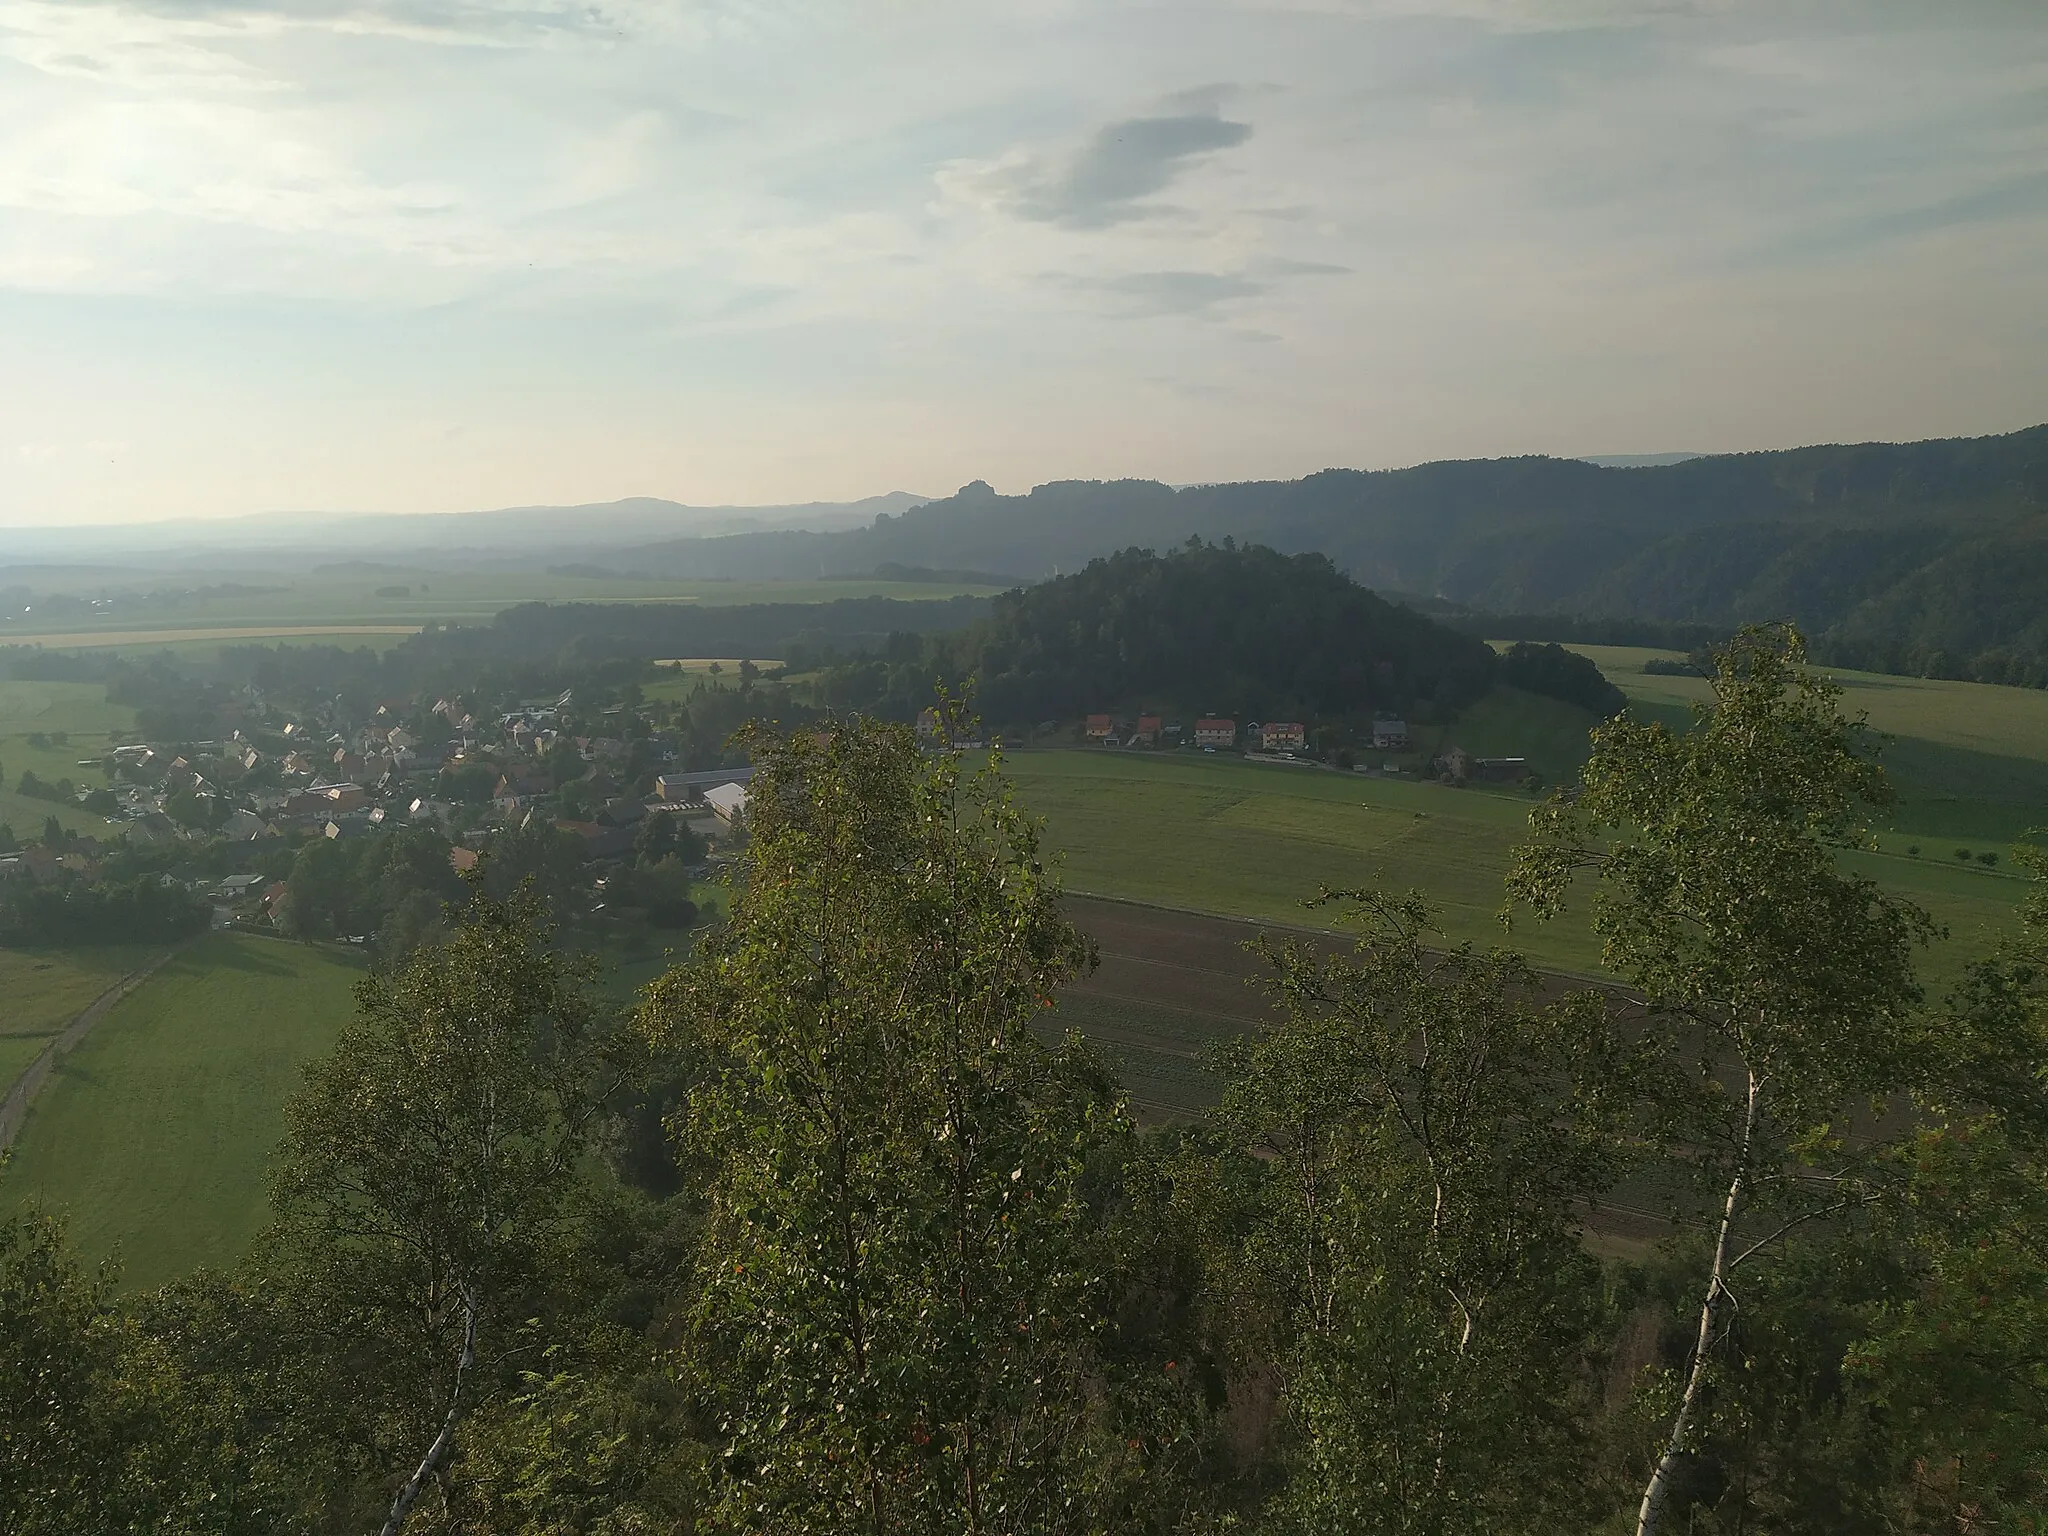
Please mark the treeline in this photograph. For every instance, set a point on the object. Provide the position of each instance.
(569, 634)
(395, 889)
(909, 1267)
(145, 910)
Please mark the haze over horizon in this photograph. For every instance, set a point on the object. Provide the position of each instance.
(434, 255)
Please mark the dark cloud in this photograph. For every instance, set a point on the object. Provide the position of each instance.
(1123, 164)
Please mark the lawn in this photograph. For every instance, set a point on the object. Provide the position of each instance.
(155, 1133)
(46, 988)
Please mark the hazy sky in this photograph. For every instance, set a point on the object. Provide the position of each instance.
(438, 254)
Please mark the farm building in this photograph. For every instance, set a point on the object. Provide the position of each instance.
(728, 802)
(1099, 727)
(1283, 736)
(1148, 729)
(1501, 770)
(1215, 733)
(1389, 735)
(678, 787)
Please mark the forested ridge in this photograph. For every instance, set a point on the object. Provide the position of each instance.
(835, 1231)
(1926, 557)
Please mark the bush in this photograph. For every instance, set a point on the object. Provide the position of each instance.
(1560, 674)
(1987, 859)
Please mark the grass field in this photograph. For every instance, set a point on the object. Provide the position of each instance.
(82, 713)
(185, 641)
(364, 602)
(1969, 760)
(46, 988)
(155, 1134)
(1216, 834)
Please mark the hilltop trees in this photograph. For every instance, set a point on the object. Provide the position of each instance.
(1237, 630)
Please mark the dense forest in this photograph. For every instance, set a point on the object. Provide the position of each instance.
(574, 633)
(1245, 633)
(1923, 557)
(837, 1231)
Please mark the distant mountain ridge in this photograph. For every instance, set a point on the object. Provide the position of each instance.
(1926, 557)
(507, 532)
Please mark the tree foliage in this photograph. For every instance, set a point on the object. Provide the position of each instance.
(1402, 1249)
(1721, 897)
(903, 1278)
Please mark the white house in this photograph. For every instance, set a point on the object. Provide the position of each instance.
(728, 802)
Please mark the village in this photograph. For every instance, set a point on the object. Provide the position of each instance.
(1289, 741)
(604, 780)
(279, 777)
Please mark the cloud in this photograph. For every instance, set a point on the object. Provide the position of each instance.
(1111, 178)
(1144, 295)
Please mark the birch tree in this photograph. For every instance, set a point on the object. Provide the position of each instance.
(1421, 1133)
(1720, 892)
(902, 1280)
(426, 1161)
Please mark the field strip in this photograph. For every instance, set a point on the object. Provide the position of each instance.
(14, 1109)
(1171, 965)
(91, 637)
(1344, 935)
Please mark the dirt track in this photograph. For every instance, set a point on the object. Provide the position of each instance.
(14, 1109)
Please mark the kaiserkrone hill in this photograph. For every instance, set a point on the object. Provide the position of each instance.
(1245, 632)
(1924, 557)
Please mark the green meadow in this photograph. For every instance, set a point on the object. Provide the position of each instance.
(1219, 834)
(80, 712)
(1969, 760)
(46, 988)
(154, 1135)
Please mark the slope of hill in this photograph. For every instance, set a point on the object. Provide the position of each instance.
(1909, 557)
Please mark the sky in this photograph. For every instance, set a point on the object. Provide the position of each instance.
(429, 255)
